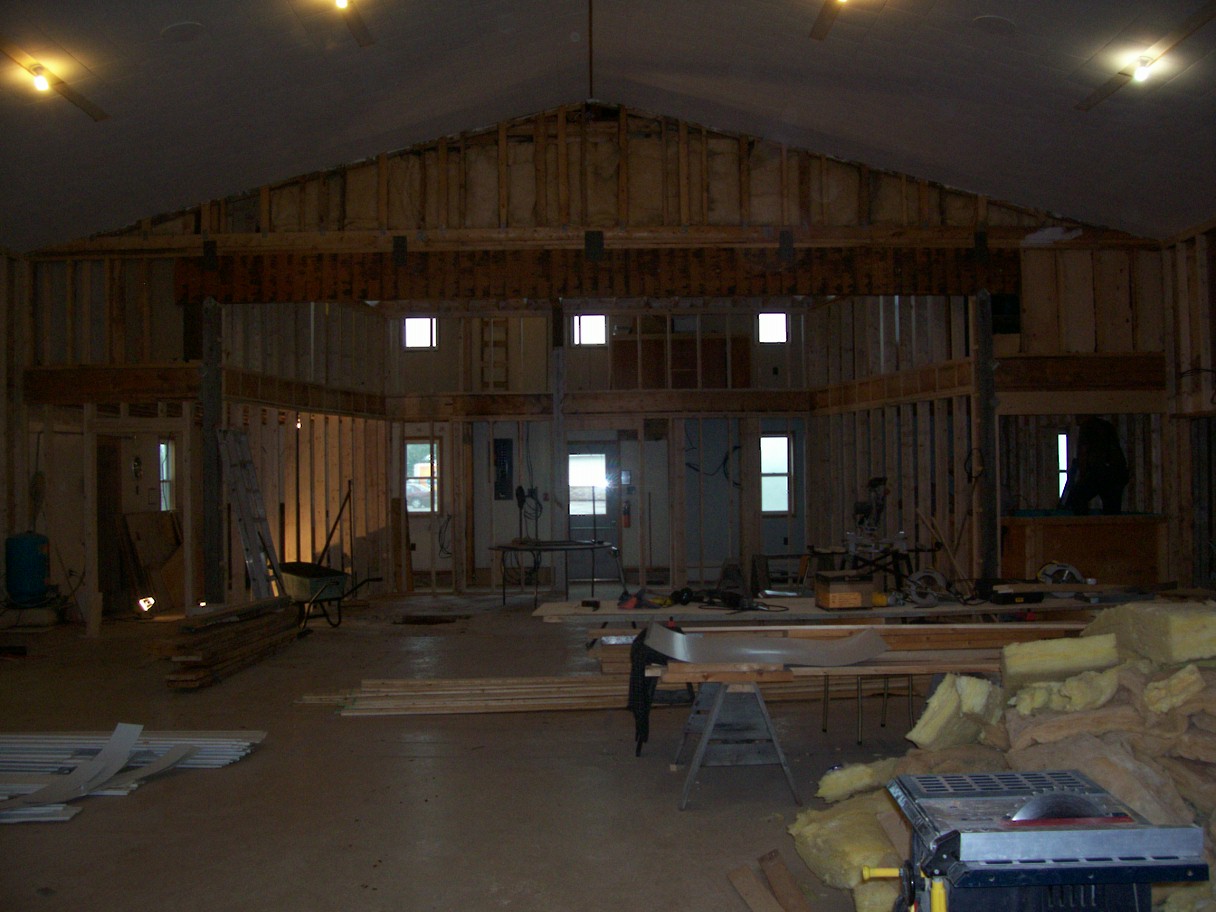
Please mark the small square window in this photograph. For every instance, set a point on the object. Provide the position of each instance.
(419, 332)
(772, 328)
(590, 329)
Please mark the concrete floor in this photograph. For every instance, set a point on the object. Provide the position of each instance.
(534, 812)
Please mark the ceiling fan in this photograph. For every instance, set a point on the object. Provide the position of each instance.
(354, 22)
(827, 15)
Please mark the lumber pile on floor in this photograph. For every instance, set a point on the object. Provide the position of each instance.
(439, 696)
(209, 647)
(410, 697)
(1132, 705)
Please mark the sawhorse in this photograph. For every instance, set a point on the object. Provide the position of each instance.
(733, 728)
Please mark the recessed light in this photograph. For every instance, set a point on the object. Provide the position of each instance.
(994, 25)
(181, 32)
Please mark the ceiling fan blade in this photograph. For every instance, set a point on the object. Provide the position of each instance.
(358, 28)
(79, 100)
(827, 15)
(1104, 91)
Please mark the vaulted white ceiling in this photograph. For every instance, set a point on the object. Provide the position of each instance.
(261, 90)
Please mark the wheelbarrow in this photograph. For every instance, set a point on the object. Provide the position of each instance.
(315, 586)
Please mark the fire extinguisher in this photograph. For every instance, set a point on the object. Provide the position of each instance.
(625, 514)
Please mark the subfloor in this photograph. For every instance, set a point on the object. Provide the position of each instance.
(539, 812)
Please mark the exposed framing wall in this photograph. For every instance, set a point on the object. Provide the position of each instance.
(492, 223)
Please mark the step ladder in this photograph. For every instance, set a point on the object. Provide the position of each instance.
(261, 563)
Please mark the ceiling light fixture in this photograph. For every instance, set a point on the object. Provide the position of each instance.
(1196, 21)
(341, 4)
(1143, 66)
(41, 83)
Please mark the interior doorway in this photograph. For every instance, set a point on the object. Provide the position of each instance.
(112, 577)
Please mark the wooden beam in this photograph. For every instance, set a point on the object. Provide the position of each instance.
(1075, 372)
(571, 238)
(86, 383)
(685, 402)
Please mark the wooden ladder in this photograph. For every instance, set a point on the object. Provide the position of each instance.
(240, 477)
(494, 357)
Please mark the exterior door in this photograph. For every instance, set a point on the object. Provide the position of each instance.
(595, 508)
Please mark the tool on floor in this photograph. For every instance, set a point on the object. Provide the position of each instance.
(630, 602)
(1033, 841)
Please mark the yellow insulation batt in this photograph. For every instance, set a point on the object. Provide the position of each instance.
(1055, 660)
(836, 843)
(957, 712)
(1168, 632)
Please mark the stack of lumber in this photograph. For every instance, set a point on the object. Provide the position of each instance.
(1131, 703)
(412, 697)
(612, 644)
(210, 647)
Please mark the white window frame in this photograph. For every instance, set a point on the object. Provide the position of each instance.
(434, 478)
(788, 475)
(409, 340)
(166, 470)
(760, 328)
(581, 323)
(1062, 459)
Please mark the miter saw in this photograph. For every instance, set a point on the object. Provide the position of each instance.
(1032, 842)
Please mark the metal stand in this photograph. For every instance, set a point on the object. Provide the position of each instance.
(734, 729)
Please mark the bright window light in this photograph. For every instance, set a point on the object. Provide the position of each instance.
(1062, 459)
(588, 484)
(420, 332)
(772, 328)
(775, 473)
(166, 473)
(422, 476)
(590, 329)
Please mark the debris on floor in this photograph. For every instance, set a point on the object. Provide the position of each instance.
(1131, 704)
(40, 772)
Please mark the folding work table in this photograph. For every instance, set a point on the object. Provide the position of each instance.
(537, 547)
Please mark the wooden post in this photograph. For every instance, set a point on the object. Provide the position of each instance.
(211, 399)
(987, 512)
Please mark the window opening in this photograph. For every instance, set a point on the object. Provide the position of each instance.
(166, 473)
(772, 328)
(775, 473)
(420, 332)
(422, 476)
(1062, 460)
(588, 484)
(590, 329)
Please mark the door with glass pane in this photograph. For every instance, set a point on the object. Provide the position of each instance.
(595, 508)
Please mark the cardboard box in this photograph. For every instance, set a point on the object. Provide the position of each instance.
(836, 589)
